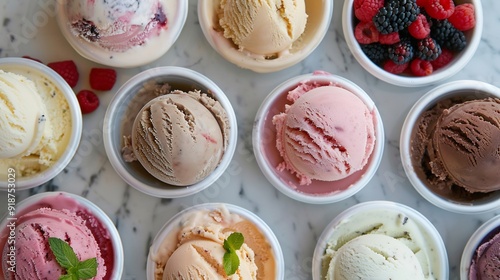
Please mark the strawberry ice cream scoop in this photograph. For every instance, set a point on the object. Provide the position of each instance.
(326, 134)
(34, 258)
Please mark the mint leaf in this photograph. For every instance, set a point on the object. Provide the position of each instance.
(68, 277)
(87, 269)
(230, 260)
(65, 255)
(234, 241)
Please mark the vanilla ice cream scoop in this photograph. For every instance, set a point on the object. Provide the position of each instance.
(22, 116)
(374, 256)
(263, 27)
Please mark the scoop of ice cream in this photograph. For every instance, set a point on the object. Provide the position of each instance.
(374, 256)
(326, 134)
(202, 259)
(263, 27)
(180, 138)
(466, 145)
(22, 116)
(34, 260)
(116, 25)
(486, 262)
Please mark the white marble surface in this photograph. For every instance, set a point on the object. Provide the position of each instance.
(29, 28)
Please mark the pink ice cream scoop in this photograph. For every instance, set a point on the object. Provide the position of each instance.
(326, 134)
(33, 256)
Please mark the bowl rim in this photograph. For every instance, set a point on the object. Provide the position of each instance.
(84, 49)
(421, 220)
(124, 91)
(268, 170)
(175, 220)
(413, 81)
(249, 61)
(426, 101)
(475, 240)
(94, 209)
(24, 183)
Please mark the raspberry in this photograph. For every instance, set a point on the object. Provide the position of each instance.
(440, 9)
(442, 60)
(396, 15)
(389, 39)
(428, 49)
(421, 67)
(88, 101)
(68, 71)
(463, 18)
(448, 36)
(366, 33)
(102, 78)
(365, 10)
(422, 3)
(375, 52)
(420, 28)
(29, 57)
(394, 68)
(401, 52)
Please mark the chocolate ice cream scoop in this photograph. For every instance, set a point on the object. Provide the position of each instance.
(466, 145)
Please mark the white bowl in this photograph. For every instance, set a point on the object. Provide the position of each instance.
(117, 113)
(72, 202)
(22, 66)
(154, 48)
(268, 157)
(319, 17)
(174, 223)
(473, 37)
(483, 234)
(430, 235)
(471, 89)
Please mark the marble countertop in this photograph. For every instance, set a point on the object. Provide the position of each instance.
(29, 28)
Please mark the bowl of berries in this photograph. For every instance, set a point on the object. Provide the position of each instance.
(412, 43)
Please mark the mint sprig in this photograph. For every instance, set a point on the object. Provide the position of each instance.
(66, 258)
(230, 260)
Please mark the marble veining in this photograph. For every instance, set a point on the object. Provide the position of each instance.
(29, 28)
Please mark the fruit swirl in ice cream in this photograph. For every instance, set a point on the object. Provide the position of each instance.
(485, 264)
(178, 137)
(326, 134)
(379, 244)
(117, 25)
(268, 28)
(61, 217)
(456, 147)
(195, 250)
(35, 123)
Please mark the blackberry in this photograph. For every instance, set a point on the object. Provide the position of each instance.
(448, 36)
(376, 52)
(401, 52)
(427, 49)
(396, 15)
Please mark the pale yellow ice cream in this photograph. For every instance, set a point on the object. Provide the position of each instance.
(196, 250)
(35, 122)
(380, 244)
(264, 27)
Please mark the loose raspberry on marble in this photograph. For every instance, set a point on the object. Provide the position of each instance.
(366, 33)
(102, 78)
(88, 101)
(420, 28)
(420, 67)
(365, 10)
(67, 70)
(440, 9)
(464, 17)
(394, 68)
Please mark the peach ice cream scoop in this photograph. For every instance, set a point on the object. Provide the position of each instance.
(326, 134)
